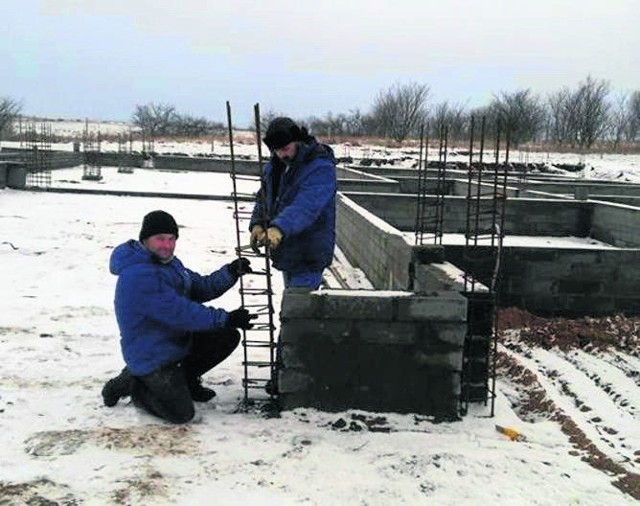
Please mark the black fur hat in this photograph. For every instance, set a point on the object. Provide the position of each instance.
(281, 131)
(158, 222)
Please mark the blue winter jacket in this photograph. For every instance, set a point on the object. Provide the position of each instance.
(301, 202)
(158, 305)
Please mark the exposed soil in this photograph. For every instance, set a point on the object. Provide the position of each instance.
(521, 332)
(617, 332)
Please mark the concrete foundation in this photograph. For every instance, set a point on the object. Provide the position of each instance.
(401, 346)
(394, 351)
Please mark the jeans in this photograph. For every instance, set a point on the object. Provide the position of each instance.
(309, 280)
(165, 392)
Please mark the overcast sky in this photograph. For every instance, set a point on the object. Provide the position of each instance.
(99, 58)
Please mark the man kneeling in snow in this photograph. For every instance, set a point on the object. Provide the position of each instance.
(168, 337)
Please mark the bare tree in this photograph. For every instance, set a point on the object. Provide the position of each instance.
(191, 126)
(619, 119)
(399, 110)
(520, 113)
(590, 107)
(355, 123)
(559, 116)
(633, 129)
(453, 116)
(329, 126)
(9, 111)
(154, 119)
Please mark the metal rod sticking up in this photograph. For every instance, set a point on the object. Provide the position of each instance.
(255, 292)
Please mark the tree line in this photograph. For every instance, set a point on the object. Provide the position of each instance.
(577, 117)
(572, 117)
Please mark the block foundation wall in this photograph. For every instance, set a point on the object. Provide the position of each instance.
(370, 350)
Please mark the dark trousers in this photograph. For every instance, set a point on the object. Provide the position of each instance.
(165, 392)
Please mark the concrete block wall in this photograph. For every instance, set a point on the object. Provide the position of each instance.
(16, 176)
(112, 159)
(616, 224)
(430, 185)
(372, 245)
(567, 282)
(245, 167)
(461, 188)
(390, 351)
(63, 159)
(361, 175)
(589, 187)
(552, 217)
(380, 186)
(3, 174)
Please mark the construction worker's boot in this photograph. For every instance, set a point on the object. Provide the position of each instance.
(117, 388)
(198, 392)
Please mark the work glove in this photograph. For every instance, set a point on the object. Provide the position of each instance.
(240, 319)
(274, 236)
(257, 237)
(239, 267)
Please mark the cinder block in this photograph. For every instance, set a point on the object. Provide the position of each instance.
(438, 277)
(294, 331)
(293, 380)
(435, 333)
(438, 306)
(291, 356)
(451, 360)
(299, 305)
(391, 333)
(355, 305)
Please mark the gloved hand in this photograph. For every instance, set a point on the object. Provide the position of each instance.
(274, 236)
(257, 237)
(240, 319)
(239, 267)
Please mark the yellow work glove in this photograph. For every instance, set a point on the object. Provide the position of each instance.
(274, 236)
(257, 237)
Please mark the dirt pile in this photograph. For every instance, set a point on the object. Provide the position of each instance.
(616, 332)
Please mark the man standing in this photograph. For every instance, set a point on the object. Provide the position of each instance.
(297, 214)
(168, 337)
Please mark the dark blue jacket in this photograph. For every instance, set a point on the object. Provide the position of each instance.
(158, 305)
(301, 202)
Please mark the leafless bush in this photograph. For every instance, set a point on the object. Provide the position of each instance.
(400, 110)
(9, 111)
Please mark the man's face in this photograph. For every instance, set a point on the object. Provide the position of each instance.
(287, 153)
(161, 245)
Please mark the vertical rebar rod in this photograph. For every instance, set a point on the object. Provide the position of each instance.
(479, 183)
(508, 144)
(468, 214)
(238, 244)
(419, 221)
(265, 218)
(442, 169)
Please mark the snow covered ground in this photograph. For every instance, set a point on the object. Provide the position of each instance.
(59, 343)
(616, 167)
(577, 411)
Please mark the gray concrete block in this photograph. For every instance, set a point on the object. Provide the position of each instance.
(437, 306)
(293, 380)
(299, 305)
(16, 177)
(291, 356)
(448, 333)
(438, 277)
(303, 330)
(390, 333)
(451, 360)
(355, 305)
